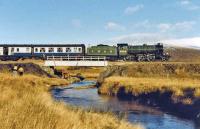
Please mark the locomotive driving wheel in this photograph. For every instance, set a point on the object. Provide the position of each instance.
(150, 57)
(140, 58)
(163, 59)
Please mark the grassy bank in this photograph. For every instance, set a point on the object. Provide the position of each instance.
(179, 87)
(29, 68)
(174, 87)
(142, 78)
(25, 103)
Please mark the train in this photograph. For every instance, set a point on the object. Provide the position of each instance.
(122, 51)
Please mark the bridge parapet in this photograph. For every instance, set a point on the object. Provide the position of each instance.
(75, 61)
(77, 58)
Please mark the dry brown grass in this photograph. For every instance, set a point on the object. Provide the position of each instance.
(157, 69)
(147, 85)
(38, 62)
(90, 73)
(180, 54)
(26, 104)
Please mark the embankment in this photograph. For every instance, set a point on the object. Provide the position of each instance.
(172, 87)
(29, 68)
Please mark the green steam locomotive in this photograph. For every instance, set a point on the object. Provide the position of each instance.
(123, 51)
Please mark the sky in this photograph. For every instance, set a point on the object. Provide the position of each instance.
(175, 22)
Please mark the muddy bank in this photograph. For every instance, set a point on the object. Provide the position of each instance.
(29, 68)
(164, 101)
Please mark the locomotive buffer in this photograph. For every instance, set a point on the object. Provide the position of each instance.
(75, 61)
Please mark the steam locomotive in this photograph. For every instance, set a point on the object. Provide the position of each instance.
(122, 51)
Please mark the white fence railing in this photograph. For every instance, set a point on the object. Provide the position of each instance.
(76, 58)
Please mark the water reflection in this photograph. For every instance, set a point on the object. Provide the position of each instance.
(150, 117)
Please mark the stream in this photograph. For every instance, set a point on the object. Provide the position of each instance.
(149, 117)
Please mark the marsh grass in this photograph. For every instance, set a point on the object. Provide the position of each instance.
(144, 85)
(25, 103)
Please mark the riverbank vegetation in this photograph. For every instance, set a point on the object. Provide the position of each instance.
(143, 78)
(138, 86)
(174, 87)
(25, 103)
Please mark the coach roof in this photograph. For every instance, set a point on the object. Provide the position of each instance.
(42, 45)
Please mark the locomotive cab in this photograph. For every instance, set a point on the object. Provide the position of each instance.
(122, 50)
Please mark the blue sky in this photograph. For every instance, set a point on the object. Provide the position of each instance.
(96, 21)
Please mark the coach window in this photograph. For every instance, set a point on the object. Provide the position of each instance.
(51, 49)
(79, 49)
(59, 49)
(27, 49)
(111, 51)
(36, 49)
(17, 49)
(68, 49)
(104, 51)
(42, 50)
(12, 49)
(75, 49)
(99, 51)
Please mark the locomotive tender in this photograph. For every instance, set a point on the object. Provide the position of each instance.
(122, 51)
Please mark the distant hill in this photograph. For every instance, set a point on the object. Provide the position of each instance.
(183, 54)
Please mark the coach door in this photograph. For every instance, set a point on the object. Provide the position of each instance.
(5, 51)
(32, 51)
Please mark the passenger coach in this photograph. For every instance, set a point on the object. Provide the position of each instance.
(16, 51)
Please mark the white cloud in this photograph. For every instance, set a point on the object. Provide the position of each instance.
(140, 38)
(187, 4)
(112, 26)
(183, 26)
(143, 24)
(186, 25)
(164, 27)
(133, 9)
(193, 42)
(152, 38)
(76, 23)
